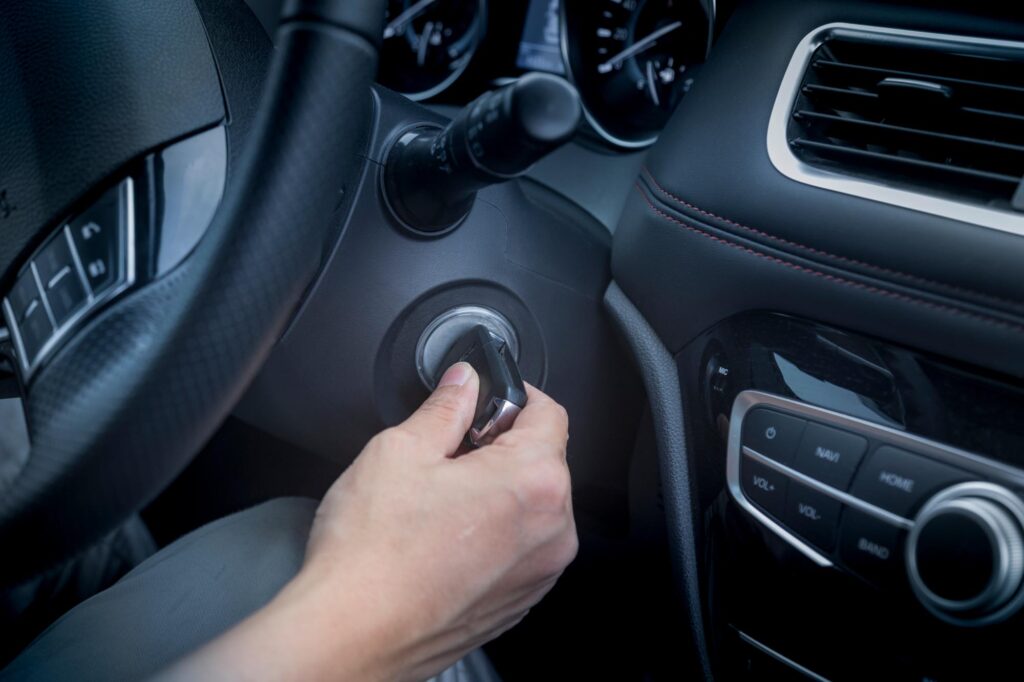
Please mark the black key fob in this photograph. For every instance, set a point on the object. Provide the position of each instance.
(502, 393)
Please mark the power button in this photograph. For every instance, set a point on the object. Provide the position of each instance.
(772, 434)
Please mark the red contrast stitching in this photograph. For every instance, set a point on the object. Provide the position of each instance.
(826, 276)
(819, 252)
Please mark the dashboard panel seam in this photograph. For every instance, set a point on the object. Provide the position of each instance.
(1019, 329)
(819, 252)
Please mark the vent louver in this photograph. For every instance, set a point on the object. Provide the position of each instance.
(938, 117)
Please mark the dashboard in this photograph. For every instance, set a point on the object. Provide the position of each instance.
(632, 61)
(850, 453)
(818, 270)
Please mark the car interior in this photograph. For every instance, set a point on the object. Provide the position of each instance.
(768, 254)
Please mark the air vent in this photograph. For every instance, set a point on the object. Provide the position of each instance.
(922, 120)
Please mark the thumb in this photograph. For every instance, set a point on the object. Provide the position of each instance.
(442, 421)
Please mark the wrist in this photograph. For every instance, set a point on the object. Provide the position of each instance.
(339, 625)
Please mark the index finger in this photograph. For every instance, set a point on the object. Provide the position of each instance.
(542, 419)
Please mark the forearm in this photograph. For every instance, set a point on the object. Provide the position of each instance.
(318, 627)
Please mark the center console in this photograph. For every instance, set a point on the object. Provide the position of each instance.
(862, 505)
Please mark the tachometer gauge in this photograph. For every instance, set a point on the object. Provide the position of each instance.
(633, 61)
(428, 44)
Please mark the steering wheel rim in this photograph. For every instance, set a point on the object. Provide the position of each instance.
(119, 411)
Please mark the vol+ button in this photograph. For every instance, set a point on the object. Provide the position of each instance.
(763, 486)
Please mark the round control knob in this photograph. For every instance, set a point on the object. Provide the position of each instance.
(965, 554)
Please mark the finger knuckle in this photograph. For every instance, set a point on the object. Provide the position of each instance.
(560, 553)
(505, 506)
(443, 407)
(570, 546)
(561, 414)
(511, 441)
(546, 484)
(393, 440)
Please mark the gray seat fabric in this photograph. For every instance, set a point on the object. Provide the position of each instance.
(182, 597)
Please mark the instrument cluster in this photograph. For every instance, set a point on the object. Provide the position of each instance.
(632, 61)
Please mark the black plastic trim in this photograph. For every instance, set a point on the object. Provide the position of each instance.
(658, 371)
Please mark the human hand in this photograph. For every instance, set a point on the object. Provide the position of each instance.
(449, 552)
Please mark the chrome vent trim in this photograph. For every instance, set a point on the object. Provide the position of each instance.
(788, 164)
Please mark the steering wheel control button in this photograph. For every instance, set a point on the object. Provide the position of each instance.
(965, 555)
(24, 297)
(35, 331)
(98, 236)
(899, 481)
(812, 515)
(871, 548)
(28, 317)
(772, 434)
(830, 455)
(764, 486)
(60, 278)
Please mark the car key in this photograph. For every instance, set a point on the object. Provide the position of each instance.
(502, 393)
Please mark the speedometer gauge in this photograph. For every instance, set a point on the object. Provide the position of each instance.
(633, 61)
(429, 43)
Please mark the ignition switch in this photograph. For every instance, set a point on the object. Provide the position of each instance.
(502, 394)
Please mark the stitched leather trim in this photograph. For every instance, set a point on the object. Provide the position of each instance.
(818, 252)
(832, 278)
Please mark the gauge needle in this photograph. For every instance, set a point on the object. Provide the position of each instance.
(391, 30)
(638, 47)
(650, 84)
(424, 42)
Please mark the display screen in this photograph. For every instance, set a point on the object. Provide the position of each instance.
(540, 46)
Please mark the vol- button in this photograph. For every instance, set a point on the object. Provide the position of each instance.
(812, 515)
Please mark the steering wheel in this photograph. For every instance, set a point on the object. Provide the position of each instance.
(119, 409)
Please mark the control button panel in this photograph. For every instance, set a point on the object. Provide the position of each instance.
(80, 266)
(898, 511)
